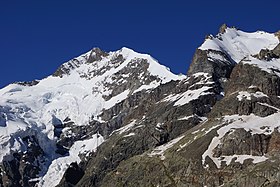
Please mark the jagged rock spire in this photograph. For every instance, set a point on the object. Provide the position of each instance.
(223, 28)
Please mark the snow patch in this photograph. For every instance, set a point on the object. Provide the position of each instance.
(159, 151)
(246, 95)
(116, 99)
(185, 118)
(130, 134)
(191, 95)
(125, 128)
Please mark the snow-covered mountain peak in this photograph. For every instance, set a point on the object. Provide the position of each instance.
(78, 91)
(239, 44)
(98, 62)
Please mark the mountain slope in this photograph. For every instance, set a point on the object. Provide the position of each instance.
(238, 144)
(121, 118)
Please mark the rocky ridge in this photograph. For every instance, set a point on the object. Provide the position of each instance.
(128, 121)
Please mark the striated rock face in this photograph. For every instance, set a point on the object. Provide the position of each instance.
(121, 119)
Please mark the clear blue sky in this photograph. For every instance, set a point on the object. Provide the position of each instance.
(37, 36)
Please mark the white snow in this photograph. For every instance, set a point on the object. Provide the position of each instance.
(159, 151)
(186, 97)
(154, 67)
(186, 118)
(242, 158)
(159, 125)
(125, 128)
(268, 66)
(239, 44)
(194, 132)
(252, 86)
(152, 85)
(212, 128)
(58, 166)
(242, 46)
(116, 99)
(130, 134)
(199, 74)
(251, 123)
(246, 95)
(183, 146)
(216, 56)
(205, 79)
(190, 95)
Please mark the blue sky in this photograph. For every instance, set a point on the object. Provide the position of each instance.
(38, 36)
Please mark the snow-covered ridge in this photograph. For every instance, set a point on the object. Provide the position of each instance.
(239, 45)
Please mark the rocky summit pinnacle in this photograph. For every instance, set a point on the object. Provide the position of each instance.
(121, 119)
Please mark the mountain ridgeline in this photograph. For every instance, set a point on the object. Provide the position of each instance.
(122, 119)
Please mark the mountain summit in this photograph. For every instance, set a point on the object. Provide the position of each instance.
(122, 119)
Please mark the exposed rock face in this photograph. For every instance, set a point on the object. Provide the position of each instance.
(130, 122)
(278, 34)
(30, 83)
(96, 54)
(23, 166)
(241, 142)
(266, 54)
(250, 80)
(223, 28)
(72, 175)
(216, 67)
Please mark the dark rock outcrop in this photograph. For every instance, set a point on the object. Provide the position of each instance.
(217, 68)
(72, 175)
(22, 167)
(266, 54)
